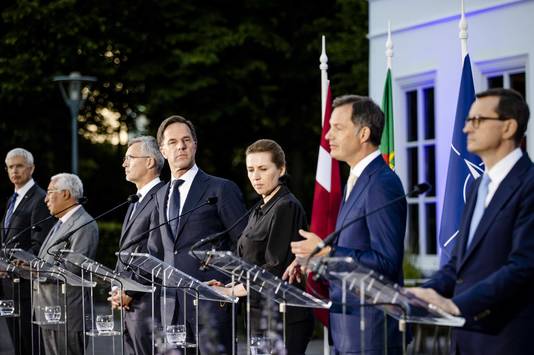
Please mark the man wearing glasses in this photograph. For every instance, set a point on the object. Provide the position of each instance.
(489, 279)
(62, 199)
(24, 208)
(142, 165)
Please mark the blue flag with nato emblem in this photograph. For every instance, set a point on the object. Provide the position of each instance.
(464, 168)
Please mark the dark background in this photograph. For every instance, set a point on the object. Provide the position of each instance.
(240, 70)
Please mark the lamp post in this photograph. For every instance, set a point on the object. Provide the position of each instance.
(71, 90)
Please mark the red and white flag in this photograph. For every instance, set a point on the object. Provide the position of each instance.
(326, 200)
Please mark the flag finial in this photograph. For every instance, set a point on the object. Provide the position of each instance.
(463, 32)
(389, 47)
(323, 59)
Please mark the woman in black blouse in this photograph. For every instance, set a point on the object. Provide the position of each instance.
(271, 227)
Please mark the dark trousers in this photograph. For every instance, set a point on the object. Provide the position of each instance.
(20, 328)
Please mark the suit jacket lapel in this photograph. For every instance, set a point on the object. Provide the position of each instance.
(63, 229)
(195, 193)
(129, 221)
(506, 189)
(359, 188)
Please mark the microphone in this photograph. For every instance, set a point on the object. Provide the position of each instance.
(131, 199)
(139, 237)
(36, 226)
(212, 237)
(329, 240)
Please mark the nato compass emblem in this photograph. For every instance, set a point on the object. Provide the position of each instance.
(473, 172)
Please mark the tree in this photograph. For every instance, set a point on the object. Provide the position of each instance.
(240, 70)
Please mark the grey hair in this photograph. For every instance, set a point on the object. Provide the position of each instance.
(150, 147)
(70, 182)
(20, 152)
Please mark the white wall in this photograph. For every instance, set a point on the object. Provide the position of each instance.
(425, 39)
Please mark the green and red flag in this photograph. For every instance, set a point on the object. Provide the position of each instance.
(387, 144)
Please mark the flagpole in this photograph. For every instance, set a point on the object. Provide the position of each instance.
(323, 59)
(389, 47)
(323, 66)
(463, 32)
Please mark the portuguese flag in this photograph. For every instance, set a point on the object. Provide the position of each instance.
(387, 146)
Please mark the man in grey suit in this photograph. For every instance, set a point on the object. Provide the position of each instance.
(24, 208)
(142, 164)
(63, 191)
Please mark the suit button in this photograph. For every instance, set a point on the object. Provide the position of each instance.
(175, 252)
(460, 281)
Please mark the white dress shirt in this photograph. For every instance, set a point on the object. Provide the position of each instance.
(22, 192)
(188, 178)
(499, 171)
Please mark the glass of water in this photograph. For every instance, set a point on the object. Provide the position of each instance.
(52, 313)
(175, 334)
(7, 307)
(104, 323)
(260, 345)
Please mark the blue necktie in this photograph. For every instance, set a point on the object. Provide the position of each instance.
(10, 208)
(174, 206)
(479, 207)
(55, 228)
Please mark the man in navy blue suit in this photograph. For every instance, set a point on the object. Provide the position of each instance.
(190, 187)
(142, 165)
(376, 241)
(489, 279)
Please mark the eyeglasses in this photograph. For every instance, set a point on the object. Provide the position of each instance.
(475, 121)
(48, 192)
(127, 158)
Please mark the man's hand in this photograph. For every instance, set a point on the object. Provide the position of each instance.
(305, 247)
(293, 272)
(237, 290)
(115, 300)
(434, 298)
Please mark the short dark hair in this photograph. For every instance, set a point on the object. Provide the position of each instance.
(364, 113)
(175, 119)
(511, 105)
(269, 146)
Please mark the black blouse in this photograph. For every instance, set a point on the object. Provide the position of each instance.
(271, 227)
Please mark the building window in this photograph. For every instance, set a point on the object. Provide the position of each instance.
(421, 166)
(509, 73)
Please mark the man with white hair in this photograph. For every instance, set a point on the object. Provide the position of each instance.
(24, 208)
(142, 165)
(62, 197)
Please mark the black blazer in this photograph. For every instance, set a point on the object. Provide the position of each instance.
(141, 307)
(31, 209)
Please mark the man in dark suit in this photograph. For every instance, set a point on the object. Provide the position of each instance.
(63, 193)
(190, 187)
(489, 279)
(25, 207)
(142, 164)
(377, 241)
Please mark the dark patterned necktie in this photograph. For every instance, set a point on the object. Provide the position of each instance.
(174, 207)
(10, 208)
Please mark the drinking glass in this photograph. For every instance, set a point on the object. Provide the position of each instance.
(7, 307)
(175, 334)
(52, 313)
(104, 323)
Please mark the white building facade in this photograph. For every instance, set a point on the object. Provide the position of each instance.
(426, 71)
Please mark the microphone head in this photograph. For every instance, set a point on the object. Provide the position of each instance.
(421, 188)
(82, 200)
(133, 198)
(212, 200)
(37, 228)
